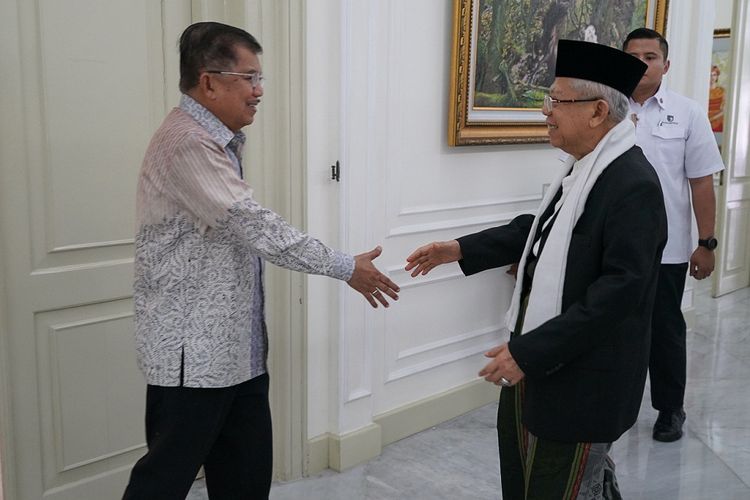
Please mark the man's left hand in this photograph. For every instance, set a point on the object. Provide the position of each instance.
(502, 366)
(701, 263)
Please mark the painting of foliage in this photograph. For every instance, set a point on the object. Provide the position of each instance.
(517, 40)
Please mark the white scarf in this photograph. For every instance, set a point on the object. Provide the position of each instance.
(545, 299)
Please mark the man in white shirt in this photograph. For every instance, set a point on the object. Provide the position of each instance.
(675, 135)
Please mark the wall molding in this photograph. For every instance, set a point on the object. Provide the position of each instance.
(357, 394)
(455, 339)
(341, 452)
(316, 455)
(431, 279)
(442, 225)
(95, 244)
(102, 264)
(415, 417)
(355, 362)
(353, 448)
(449, 207)
(451, 357)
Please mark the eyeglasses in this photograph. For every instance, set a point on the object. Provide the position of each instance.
(254, 79)
(550, 102)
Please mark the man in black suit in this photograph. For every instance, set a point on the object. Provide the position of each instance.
(574, 370)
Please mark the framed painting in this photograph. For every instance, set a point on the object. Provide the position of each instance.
(503, 55)
(719, 78)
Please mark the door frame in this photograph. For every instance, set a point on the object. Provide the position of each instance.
(278, 176)
(276, 170)
(280, 169)
(731, 151)
(9, 42)
(6, 446)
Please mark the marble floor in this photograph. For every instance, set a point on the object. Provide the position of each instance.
(458, 459)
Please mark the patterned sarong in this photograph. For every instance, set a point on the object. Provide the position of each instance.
(532, 468)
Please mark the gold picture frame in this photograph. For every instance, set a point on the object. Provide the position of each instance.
(473, 123)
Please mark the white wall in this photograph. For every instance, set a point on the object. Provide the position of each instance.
(723, 14)
(690, 35)
(402, 186)
(385, 119)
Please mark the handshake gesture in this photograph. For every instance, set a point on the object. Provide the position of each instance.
(367, 280)
(374, 285)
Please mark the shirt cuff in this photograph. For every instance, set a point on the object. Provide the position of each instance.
(343, 266)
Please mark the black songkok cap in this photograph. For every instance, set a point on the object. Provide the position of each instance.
(599, 63)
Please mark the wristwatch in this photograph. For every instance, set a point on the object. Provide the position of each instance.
(710, 243)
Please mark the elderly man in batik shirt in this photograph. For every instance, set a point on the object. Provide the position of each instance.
(202, 239)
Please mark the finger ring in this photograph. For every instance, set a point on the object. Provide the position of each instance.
(374, 291)
(504, 382)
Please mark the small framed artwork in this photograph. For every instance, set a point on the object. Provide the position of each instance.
(503, 56)
(719, 78)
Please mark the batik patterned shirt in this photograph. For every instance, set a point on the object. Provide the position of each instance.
(198, 291)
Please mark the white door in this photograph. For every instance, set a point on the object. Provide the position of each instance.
(84, 84)
(733, 259)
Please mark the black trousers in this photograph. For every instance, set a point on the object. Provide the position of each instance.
(668, 362)
(227, 430)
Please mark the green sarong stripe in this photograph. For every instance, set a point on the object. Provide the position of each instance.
(528, 464)
(523, 435)
(577, 469)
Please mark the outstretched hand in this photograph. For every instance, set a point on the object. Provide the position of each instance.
(429, 256)
(370, 282)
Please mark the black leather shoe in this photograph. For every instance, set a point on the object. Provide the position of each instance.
(668, 426)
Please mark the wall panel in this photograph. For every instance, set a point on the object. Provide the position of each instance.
(84, 87)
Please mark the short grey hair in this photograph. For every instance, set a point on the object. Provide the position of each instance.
(618, 102)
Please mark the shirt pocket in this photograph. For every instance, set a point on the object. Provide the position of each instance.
(670, 142)
(667, 132)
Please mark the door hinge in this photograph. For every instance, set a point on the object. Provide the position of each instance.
(336, 172)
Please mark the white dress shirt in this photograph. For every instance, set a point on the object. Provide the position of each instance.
(676, 137)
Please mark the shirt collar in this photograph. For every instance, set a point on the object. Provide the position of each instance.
(215, 128)
(660, 97)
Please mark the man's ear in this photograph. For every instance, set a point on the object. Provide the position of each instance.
(666, 67)
(601, 113)
(207, 86)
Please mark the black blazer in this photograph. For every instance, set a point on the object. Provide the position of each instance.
(586, 368)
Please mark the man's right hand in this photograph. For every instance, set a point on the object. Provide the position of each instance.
(429, 256)
(370, 282)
